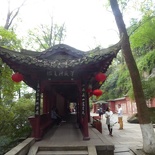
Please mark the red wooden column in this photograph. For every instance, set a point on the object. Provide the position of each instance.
(88, 108)
(78, 111)
(45, 103)
(35, 121)
(84, 113)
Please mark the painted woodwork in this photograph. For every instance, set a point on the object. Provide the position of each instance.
(60, 71)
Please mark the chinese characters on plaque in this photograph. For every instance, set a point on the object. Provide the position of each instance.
(83, 99)
(37, 104)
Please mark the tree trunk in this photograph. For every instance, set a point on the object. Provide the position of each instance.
(143, 114)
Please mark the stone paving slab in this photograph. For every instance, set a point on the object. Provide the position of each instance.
(123, 140)
(123, 153)
(62, 153)
(137, 151)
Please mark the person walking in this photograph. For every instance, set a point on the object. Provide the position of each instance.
(100, 111)
(120, 117)
(108, 115)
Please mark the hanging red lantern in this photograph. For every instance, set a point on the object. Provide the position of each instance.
(97, 93)
(17, 77)
(100, 77)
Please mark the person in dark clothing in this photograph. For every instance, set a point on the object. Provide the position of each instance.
(100, 111)
(55, 116)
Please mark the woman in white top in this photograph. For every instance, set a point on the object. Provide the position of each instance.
(108, 115)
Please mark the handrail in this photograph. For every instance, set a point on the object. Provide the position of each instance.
(22, 148)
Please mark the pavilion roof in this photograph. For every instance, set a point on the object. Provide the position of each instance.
(45, 60)
(59, 57)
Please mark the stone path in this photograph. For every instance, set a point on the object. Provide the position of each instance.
(126, 141)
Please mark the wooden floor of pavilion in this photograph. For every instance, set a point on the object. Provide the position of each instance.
(69, 135)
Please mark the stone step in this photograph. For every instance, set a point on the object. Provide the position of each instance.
(62, 153)
(70, 150)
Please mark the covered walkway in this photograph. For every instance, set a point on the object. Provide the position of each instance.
(68, 137)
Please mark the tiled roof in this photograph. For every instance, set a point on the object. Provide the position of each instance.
(40, 59)
(60, 59)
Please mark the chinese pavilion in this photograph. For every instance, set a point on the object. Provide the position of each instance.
(60, 75)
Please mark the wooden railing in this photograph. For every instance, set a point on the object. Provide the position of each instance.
(40, 124)
(22, 148)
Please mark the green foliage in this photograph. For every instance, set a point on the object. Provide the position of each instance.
(143, 37)
(44, 37)
(6, 117)
(109, 87)
(14, 124)
(22, 109)
(8, 39)
(149, 87)
(152, 114)
(118, 82)
(14, 119)
(6, 84)
(147, 62)
(147, 7)
(90, 104)
(122, 83)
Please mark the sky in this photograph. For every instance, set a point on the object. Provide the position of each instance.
(88, 23)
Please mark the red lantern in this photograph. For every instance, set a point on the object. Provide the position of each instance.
(100, 77)
(97, 93)
(17, 77)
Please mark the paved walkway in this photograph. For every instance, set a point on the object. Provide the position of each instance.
(123, 140)
(129, 137)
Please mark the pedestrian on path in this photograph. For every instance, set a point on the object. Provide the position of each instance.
(108, 115)
(55, 116)
(100, 111)
(120, 116)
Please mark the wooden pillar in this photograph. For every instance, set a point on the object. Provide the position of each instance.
(77, 111)
(79, 108)
(45, 103)
(35, 120)
(88, 108)
(37, 103)
(84, 113)
(50, 101)
(37, 113)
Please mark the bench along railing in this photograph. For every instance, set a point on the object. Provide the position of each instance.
(97, 123)
(40, 124)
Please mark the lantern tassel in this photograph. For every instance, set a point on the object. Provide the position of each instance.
(97, 97)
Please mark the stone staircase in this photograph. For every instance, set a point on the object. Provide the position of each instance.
(71, 150)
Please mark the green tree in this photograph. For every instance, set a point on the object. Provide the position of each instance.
(14, 123)
(143, 38)
(144, 118)
(45, 36)
(7, 86)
